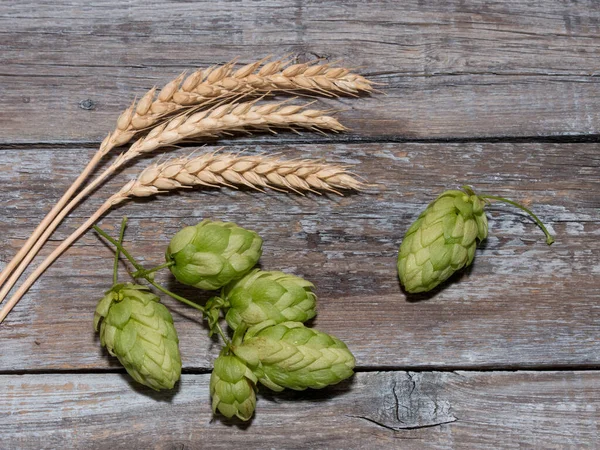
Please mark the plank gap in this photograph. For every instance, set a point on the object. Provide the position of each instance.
(281, 141)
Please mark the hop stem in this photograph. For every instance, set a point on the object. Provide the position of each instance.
(238, 334)
(143, 273)
(118, 252)
(147, 272)
(119, 247)
(172, 294)
(222, 334)
(549, 237)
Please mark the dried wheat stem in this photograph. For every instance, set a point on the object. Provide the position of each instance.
(35, 248)
(107, 145)
(10, 304)
(8, 269)
(214, 170)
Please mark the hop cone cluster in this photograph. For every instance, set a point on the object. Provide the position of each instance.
(233, 388)
(139, 331)
(211, 254)
(262, 296)
(442, 240)
(290, 355)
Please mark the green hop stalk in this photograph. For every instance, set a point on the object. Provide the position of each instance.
(139, 331)
(444, 237)
(290, 355)
(212, 254)
(232, 387)
(262, 296)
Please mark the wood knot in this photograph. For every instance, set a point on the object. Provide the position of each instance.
(87, 104)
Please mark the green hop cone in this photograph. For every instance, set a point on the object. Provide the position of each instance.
(290, 355)
(139, 331)
(442, 240)
(233, 388)
(211, 254)
(262, 296)
(444, 237)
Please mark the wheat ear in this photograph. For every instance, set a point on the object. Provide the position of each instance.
(273, 76)
(221, 83)
(201, 88)
(214, 170)
(213, 123)
(236, 117)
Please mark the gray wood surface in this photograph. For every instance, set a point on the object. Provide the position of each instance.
(502, 95)
(411, 410)
(451, 69)
(522, 304)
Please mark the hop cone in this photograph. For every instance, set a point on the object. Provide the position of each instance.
(262, 296)
(290, 355)
(211, 254)
(139, 331)
(442, 240)
(233, 388)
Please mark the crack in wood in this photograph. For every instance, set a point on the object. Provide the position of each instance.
(413, 403)
(397, 429)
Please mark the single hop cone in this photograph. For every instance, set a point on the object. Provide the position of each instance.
(262, 296)
(442, 240)
(290, 355)
(233, 388)
(139, 331)
(211, 254)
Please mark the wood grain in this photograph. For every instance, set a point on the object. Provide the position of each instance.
(522, 304)
(411, 410)
(449, 70)
(500, 95)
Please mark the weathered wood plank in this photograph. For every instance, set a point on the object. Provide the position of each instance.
(523, 304)
(485, 410)
(450, 70)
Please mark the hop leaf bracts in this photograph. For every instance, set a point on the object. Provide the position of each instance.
(290, 355)
(233, 387)
(211, 254)
(442, 240)
(444, 237)
(261, 296)
(139, 331)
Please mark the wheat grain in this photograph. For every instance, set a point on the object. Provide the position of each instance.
(258, 172)
(214, 170)
(320, 79)
(232, 118)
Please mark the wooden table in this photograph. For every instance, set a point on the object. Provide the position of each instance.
(504, 96)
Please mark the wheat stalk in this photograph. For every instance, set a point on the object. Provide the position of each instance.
(247, 116)
(201, 88)
(214, 170)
